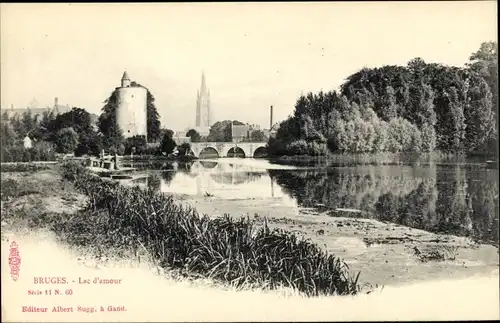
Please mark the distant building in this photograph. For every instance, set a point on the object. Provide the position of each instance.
(266, 133)
(273, 130)
(243, 132)
(203, 117)
(181, 133)
(27, 142)
(239, 132)
(131, 112)
(59, 109)
(37, 112)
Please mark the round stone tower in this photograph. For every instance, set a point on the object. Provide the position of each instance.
(131, 112)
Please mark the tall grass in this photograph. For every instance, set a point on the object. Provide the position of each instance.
(224, 249)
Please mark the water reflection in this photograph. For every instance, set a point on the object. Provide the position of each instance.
(451, 199)
(456, 200)
(224, 180)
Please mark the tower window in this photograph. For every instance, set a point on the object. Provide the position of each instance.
(132, 95)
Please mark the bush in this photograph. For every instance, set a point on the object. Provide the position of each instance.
(317, 149)
(167, 144)
(66, 140)
(138, 143)
(401, 135)
(298, 147)
(276, 147)
(41, 151)
(184, 148)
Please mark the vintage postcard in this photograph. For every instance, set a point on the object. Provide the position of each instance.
(301, 161)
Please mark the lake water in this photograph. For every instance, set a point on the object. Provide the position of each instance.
(457, 199)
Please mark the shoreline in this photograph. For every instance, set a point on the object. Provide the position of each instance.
(383, 252)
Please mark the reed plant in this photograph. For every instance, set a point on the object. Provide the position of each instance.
(224, 249)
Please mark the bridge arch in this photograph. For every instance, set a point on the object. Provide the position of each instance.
(260, 152)
(250, 149)
(208, 164)
(236, 152)
(210, 151)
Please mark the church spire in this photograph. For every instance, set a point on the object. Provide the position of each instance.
(203, 88)
(203, 104)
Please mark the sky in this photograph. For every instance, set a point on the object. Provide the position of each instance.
(253, 54)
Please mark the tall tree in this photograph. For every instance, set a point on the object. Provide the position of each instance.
(167, 144)
(424, 108)
(456, 121)
(8, 135)
(113, 135)
(194, 135)
(66, 140)
(221, 131)
(479, 115)
(389, 108)
(257, 135)
(485, 63)
(89, 142)
(42, 130)
(28, 121)
(18, 126)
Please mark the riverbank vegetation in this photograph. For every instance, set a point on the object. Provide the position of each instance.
(24, 167)
(223, 249)
(418, 108)
(381, 158)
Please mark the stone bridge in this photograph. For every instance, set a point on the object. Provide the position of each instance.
(223, 149)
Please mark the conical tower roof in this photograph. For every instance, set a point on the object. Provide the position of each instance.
(125, 76)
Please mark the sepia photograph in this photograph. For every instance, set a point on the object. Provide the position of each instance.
(249, 161)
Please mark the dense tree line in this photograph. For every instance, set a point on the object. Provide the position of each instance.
(420, 107)
(70, 132)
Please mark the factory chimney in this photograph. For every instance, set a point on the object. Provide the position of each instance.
(271, 118)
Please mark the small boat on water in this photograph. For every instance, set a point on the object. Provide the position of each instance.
(106, 167)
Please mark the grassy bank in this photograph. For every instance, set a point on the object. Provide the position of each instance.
(178, 238)
(24, 167)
